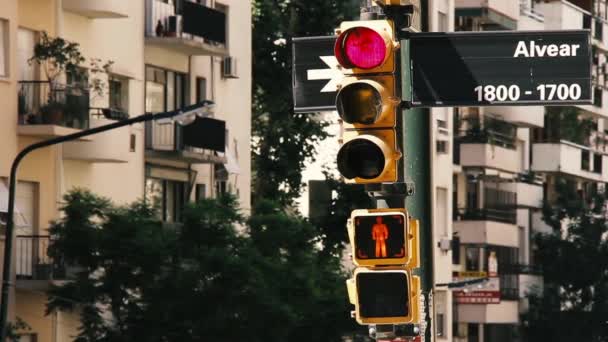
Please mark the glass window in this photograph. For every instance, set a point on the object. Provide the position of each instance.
(119, 94)
(201, 191)
(201, 89)
(155, 97)
(472, 259)
(168, 196)
(170, 91)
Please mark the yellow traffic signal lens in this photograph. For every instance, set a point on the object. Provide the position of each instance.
(361, 158)
(383, 294)
(380, 236)
(359, 102)
(361, 47)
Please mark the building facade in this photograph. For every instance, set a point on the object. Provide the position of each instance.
(162, 58)
(507, 160)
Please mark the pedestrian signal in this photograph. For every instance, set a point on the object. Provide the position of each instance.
(380, 237)
(384, 297)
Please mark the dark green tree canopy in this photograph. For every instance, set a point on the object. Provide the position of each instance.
(282, 140)
(216, 276)
(573, 303)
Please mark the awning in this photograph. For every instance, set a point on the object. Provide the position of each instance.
(231, 164)
(19, 219)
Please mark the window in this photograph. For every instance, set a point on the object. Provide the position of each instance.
(201, 89)
(4, 48)
(26, 40)
(165, 90)
(201, 191)
(585, 160)
(168, 196)
(224, 9)
(472, 259)
(119, 93)
(442, 146)
(597, 163)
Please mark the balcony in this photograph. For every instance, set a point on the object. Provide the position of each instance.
(487, 226)
(492, 14)
(529, 195)
(521, 116)
(571, 159)
(33, 267)
(186, 27)
(98, 9)
(506, 312)
(169, 141)
(487, 155)
(107, 147)
(50, 111)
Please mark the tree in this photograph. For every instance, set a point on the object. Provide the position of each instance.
(573, 303)
(202, 280)
(282, 140)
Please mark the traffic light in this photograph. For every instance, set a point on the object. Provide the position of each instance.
(385, 245)
(367, 101)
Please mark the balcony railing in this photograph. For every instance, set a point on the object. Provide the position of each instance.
(476, 135)
(41, 103)
(519, 269)
(487, 214)
(193, 24)
(32, 260)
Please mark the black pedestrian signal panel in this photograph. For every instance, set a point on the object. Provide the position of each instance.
(383, 294)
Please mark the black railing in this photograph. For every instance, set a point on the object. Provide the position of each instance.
(40, 103)
(33, 262)
(509, 293)
(185, 19)
(487, 136)
(519, 269)
(488, 214)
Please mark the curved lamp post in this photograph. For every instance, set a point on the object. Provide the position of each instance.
(182, 116)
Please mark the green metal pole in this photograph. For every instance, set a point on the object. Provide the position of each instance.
(417, 146)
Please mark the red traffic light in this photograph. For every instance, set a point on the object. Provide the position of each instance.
(361, 47)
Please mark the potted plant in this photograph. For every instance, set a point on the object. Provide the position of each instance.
(55, 56)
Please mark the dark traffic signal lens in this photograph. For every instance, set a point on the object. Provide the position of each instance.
(361, 158)
(383, 294)
(360, 103)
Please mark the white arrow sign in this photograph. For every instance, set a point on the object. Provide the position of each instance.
(333, 74)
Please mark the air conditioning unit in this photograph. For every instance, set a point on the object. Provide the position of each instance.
(229, 69)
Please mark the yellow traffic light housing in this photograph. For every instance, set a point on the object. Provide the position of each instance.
(367, 101)
(388, 296)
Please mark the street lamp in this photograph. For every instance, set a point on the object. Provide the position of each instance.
(182, 116)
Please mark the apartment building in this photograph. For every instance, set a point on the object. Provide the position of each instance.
(165, 54)
(506, 161)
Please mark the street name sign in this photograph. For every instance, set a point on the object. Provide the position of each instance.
(501, 68)
(315, 74)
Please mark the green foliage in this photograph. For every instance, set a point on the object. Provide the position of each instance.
(332, 226)
(14, 330)
(282, 140)
(217, 276)
(573, 304)
(567, 124)
(56, 55)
